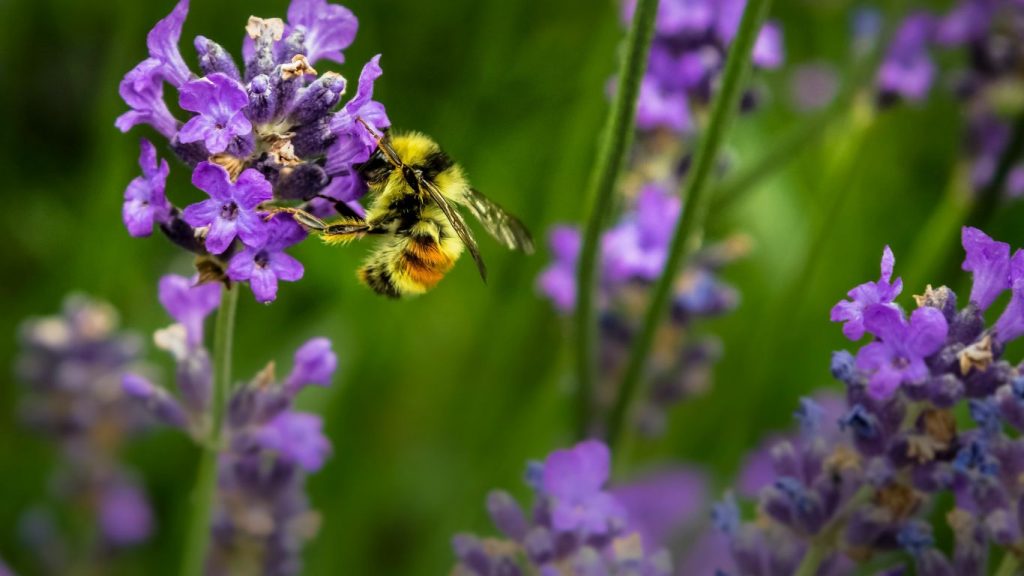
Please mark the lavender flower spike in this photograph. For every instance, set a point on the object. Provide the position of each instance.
(220, 102)
(851, 312)
(231, 209)
(189, 303)
(989, 262)
(328, 28)
(898, 354)
(574, 479)
(265, 263)
(144, 200)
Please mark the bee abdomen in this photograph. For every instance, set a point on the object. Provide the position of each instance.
(409, 265)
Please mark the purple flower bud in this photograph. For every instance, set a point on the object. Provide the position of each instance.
(318, 98)
(296, 437)
(574, 479)
(262, 264)
(154, 399)
(213, 58)
(558, 281)
(301, 182)
(315, 363)
(507, 515)
(262, 99)
(144, 200)
(220, 103)
(231, 209)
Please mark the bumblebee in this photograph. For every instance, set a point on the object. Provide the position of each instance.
(415, 188)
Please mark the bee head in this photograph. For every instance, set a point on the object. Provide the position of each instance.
(376, 169)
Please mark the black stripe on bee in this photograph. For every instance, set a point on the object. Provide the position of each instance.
(379, 280)
(435, 163)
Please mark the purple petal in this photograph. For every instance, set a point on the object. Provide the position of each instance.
(884, 382)
(137, 215)
(201, 213)
(196, 129)
(251, 229)
(217, 140)
(1010, 324)
(768, 51)
(199, 95)
(927, 333)
(559, 284)
(885, 322)
(873, 356)
(263, 284)
(242, 265)
(214, 180)
(296, 437)
(162, 42)
(315, 363)
(228, 93)
(285, 267)
(147, 158)
(989, 262)
(251, 189)
(125, 516)
(329, 28)
(188, 302)
(220, 235)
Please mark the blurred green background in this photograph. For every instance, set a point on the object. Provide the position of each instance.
(440, 398)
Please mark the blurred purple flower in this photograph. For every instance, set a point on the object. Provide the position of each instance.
(315, 363)
(231, 209)
(884, 291)
(662, 503)
(558, 281)
(908, 70)
(125, 515)
(657, 108)
(769, 52)
(144, 200)
(574, 479)
(296, 437)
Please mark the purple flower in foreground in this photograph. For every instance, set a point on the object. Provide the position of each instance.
(328, 28)
(315, 363)
(144, 200)
(884, 291)
(898, 354)
(990, 264)
(558, 281)
(231, 209)
(220, 102)
(574, 479)
(189, 303)
(296, 437)
(265, 263)
(125, 516)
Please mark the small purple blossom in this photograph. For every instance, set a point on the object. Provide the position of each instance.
(231, 209)
(263, 264)
(354, 143)
(296, 437)
(328, 28)
(162, 42)
(315, 363)
(898, 355)
(769, 52)
(189, 303)
(142, 89)
(884, 291)
(144, 200)
(989, 262)
(574, 480)
(220, 102)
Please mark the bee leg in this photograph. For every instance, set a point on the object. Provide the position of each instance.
(340, 207)
(303, 218)
(346, 231)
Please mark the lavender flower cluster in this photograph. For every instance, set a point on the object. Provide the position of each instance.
(269, 132)
(71, 365)
(576, 527)
(262, 516)
(863, 485)
(686, 59)
(987, 35)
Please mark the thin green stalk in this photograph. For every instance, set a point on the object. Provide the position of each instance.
(198, 537)
(695, 201)
(611, 156)
(1010, 566)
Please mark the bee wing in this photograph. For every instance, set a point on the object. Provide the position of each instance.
(457, 223)
(505, 227)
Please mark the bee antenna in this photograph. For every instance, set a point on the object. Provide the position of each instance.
(386, 149)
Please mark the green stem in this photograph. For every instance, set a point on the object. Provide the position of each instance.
(198, 536)
(611, 156)
(695, 201)
(1010, 566)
